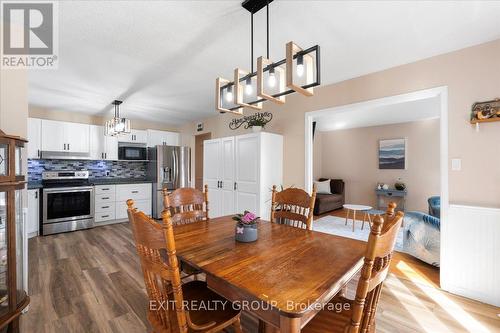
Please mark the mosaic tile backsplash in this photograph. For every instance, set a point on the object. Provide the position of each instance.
(97, 169)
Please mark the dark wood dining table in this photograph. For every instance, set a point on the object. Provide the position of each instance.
(283, 278)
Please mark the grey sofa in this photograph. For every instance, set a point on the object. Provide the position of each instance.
(328, 202)
(421, 237)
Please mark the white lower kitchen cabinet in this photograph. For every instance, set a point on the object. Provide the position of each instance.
(33, 220)
(111, 201)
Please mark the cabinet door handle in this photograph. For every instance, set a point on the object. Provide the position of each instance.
(68, 146)
(135, 191)
(38, 152)
(104, 216)
(106, 155)
(105, 207)
(36, 195)
(235, 186)
(105, 198)
(64, 148)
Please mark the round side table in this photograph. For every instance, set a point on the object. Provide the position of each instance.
(354, 208)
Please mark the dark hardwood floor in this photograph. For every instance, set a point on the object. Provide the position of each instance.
(90, 281)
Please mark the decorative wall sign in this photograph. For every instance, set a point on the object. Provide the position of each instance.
(199, 127)
(392, 154)
(257, 119)
(486, 111)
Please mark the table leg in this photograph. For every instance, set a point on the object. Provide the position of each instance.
(346, 217)
(353, 219)
(289, 325)
(364, 219)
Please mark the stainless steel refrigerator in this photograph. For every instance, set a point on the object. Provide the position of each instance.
(169, 167)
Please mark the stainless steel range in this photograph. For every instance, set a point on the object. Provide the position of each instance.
(67, 201)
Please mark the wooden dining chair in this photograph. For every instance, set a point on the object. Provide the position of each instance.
(169, 300)
(186, 205)
(293, 207)
(358, 315)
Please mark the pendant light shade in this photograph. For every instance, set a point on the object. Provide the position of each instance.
(116, 125)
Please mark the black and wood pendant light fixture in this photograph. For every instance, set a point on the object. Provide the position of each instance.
(298, 72)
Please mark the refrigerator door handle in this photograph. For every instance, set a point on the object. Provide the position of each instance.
(176, 168)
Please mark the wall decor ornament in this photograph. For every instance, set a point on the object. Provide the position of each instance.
(392, 154)
(257, 119)
(485, 111)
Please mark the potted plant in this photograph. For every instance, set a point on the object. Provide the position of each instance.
(257, 124)
(246, 228)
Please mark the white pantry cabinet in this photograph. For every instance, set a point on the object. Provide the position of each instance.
(156, 138)
(34, 145)
(33, 213)
(240, 172)
(135, 136)
(61, 136)
(102, 147)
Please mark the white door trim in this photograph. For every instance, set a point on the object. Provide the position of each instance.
(442, 92)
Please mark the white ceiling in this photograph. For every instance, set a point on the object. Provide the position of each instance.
(162, 57)
(365, 116)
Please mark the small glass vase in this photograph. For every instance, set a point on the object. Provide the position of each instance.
(246, 233)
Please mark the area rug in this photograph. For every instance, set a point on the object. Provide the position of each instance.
(336, 226)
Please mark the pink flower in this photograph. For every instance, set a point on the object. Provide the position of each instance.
(248, 217)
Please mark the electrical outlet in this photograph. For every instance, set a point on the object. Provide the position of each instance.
(456, 164)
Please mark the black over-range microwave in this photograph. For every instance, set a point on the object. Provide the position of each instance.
(132, 152)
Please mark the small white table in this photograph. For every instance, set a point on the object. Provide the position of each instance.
(353, 209)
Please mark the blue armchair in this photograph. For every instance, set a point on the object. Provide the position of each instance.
(421, 237)
(435, 206)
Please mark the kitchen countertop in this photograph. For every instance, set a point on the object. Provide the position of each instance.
(34, 185)
(117, 181)
(98, 181)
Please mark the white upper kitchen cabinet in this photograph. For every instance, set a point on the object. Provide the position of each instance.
(77, 137)
(156, 138)
(102, 147)
(135, 136)
(97, 142)
(34, 145)
(60, 136)
(53, 136)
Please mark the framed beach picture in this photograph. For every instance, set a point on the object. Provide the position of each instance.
(392, 154)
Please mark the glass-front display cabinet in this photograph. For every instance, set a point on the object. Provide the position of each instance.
(13, 297)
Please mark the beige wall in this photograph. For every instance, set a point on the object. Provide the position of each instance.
(352, 155)
(14, 101)
(471, 74)
(43, 113)
(14, 107)
(318, 155)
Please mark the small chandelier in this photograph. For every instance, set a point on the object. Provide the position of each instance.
(117, 125)
(273, 80)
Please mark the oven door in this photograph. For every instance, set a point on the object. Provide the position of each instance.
(68, 204)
